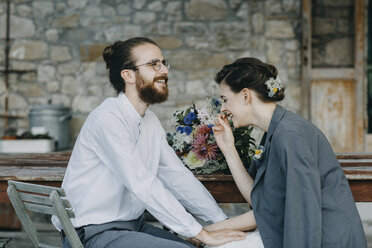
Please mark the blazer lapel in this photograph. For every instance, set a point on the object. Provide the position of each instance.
(262, 164)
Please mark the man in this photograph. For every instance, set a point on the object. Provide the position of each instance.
(121, 164)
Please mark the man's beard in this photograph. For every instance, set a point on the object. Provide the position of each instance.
(148, 92)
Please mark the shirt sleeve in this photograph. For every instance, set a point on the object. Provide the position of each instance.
(186, 187)
(115, 145)
(302, 213)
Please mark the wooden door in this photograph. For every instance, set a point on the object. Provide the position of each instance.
(335, 97)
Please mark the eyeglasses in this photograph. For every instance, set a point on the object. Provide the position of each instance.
(156, 64)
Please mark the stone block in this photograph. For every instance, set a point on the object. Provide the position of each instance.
(279, 29)
(46, 73)
(274, 52)
(155, 6)
(173, 11)
(90, 53)
(108, 11)
(21, 27)
(85, 104)
(24, 10)
(76, 35)
(258, 43)
(77, 4)
(291, 45)
(60, 53)
(124, 9)
(60, 99)
(93, 11)
(31, 90)
(186, 60)
(69, 86)
(198, 43)
(144, 17)
(28, 50)
(52, 87)
(258, 23)
(68, 68)
(51, 35)
(190, 29)
(17, 102)
(22, 65)
(69, 21)
(233, 35)
(168, 42)
(207, 10)
(28, 77)
(243, 12)
(273, 7)
(159, 28)
(42, 9)
(139, 4)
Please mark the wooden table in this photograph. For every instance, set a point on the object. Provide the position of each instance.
(49, 169)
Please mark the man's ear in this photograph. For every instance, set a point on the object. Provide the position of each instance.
(128, 76)
(246, 94)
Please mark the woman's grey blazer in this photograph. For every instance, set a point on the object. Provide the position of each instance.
(300, 196)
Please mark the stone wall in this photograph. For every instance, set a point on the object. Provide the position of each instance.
(59, 44)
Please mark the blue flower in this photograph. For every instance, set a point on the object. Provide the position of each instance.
(187, 130)
(210, 126)
(189, 118)
(216, 102)
(180, 129)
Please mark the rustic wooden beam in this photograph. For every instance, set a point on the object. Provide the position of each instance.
(332, 73)
(360, 75)
(306, 58)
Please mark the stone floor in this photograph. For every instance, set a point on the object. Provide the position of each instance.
(48, 234)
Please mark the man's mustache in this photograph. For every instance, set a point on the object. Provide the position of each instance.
(164, 77)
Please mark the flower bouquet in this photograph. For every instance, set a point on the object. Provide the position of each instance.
(194, 142)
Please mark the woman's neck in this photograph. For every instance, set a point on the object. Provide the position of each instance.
(262, 115)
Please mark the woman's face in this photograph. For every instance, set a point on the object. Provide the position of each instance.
(232, 104)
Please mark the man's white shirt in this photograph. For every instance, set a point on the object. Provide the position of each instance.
(121, 165)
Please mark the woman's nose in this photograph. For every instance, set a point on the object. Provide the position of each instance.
(223, 109)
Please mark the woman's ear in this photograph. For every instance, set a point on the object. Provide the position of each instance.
(128, 76)
(246, 94)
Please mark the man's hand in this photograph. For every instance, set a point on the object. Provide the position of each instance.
(220, 237)
(195, 242)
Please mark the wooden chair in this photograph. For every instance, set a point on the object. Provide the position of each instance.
(45, 200)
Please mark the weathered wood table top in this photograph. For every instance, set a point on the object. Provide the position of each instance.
(49, 169)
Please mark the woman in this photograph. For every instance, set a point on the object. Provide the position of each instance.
(295, 185)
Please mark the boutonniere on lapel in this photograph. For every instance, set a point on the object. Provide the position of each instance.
(258, 153)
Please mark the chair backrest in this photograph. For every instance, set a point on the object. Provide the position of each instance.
(45, 200)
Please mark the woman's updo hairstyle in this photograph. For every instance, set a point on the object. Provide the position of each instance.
(250, 73)
(118, 56)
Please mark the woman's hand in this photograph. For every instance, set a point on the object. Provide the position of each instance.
(220, 237)
(223, 133)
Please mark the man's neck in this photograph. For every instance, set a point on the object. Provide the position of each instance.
(138, 104)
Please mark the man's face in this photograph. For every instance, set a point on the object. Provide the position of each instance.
(151, 85)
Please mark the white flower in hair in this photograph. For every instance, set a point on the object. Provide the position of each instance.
(273, 85)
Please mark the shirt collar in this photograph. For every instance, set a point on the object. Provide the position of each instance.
(275, 119)
(133, 113)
